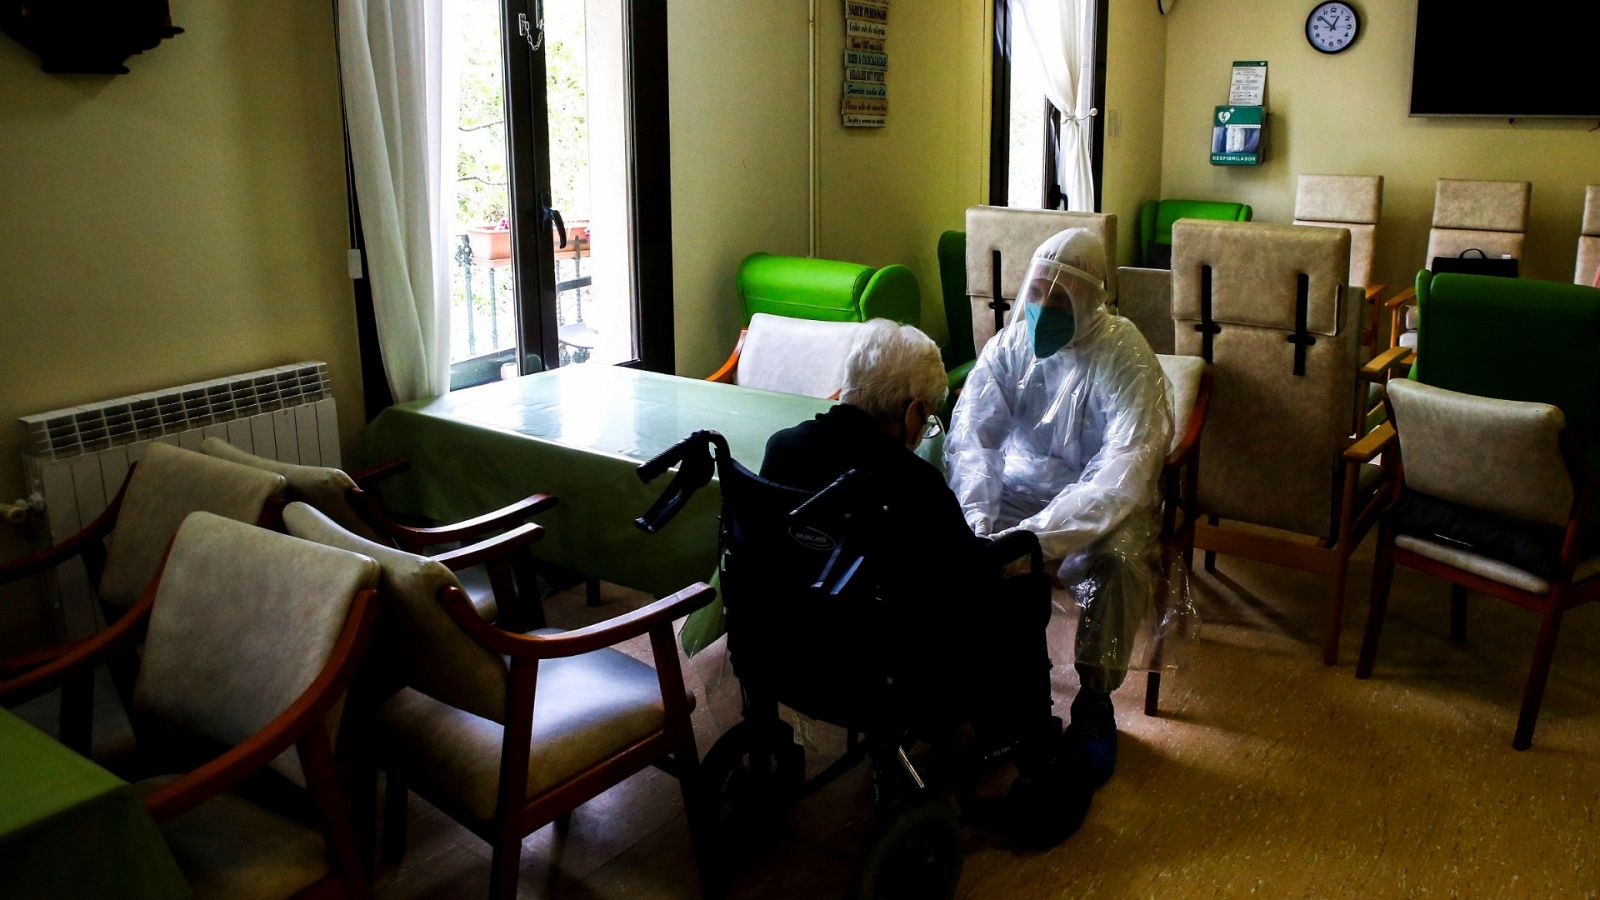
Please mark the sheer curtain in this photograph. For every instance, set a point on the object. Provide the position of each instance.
(1062, 33)
(391, 69)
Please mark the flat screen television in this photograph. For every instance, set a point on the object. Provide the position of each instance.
(1533, 59)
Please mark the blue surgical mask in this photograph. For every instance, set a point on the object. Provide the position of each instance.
(1049, 328)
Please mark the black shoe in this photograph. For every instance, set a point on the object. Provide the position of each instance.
(1042, 811)
(1089, 744)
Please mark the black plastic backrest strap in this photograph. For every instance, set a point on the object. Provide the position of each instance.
(1301, 339)
(1207, 327)
(996, 301)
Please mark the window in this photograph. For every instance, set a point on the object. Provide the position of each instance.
(560, 190)
(1024, 128)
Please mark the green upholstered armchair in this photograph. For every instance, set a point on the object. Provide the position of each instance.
(1155, 225)
(828, 290)
(958, 351)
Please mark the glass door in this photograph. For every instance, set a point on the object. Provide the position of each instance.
(543, 272)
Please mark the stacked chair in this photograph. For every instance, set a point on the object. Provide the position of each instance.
(1487, 216)
(1268, 307)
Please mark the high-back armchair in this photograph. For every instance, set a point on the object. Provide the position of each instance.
(791, 356)
(1588, 269)
(1354, 203)
(1486, 500)
(1144, 297)
(1268, 307)
(1010, 236)
(1491, 216)
(508, 732)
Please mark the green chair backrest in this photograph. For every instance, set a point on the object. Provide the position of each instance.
(953, 285)
(827, 290)
(1156, 218)
(1513, 339)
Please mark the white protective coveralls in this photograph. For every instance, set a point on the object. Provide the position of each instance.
(1070, 447)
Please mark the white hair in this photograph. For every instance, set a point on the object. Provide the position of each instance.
(889, 367)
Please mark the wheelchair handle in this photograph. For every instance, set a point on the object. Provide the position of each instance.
(666, 459)
(696, 465)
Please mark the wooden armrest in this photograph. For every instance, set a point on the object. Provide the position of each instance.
(725, 374)
(583, 640)
(415, 539)
(1371, 444)
(1401, 299)
(1197, 422)
(82, 656)
(1380, 365)
(383, 471)
(307, 711)
(1374, 292)
(491, 548)
(53, 556)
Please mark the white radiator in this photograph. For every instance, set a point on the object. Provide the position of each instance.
(77, 458)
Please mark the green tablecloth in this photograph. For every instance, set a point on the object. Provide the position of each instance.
(69, 828)
(579, 433)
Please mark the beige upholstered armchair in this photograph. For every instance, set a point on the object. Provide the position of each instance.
(1354, 203)
(497, 589)
(250, 638)
(1588, 268)
(1144, 297)
(1000, 244)
(1495, 462)
(508, 732)
(122, 549)
(1491, 216)
(1268, 307)
(791, 356)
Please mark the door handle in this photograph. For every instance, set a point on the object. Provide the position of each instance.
(554, 217)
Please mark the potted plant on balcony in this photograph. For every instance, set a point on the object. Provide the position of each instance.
(492, 240)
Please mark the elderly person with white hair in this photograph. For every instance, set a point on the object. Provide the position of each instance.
(981, 638)
(1061, 430)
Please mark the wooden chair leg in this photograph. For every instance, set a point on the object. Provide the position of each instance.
(77, 712)
(395, 795)
(1382, 578)
(1458, 614)
(591, 587)
(1538, 674)
(1336, 591)
(1211, 555)
(316, 758)
(1152, 693)
(506, 867)
(686, 755)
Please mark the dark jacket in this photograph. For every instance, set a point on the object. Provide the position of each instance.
(944, 558)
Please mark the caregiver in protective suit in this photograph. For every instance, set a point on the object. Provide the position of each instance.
(1061, 430)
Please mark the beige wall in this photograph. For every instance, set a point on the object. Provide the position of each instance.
(1136, 71)
(1347, 113)
(181, 222)
(885, 194)
(738, 106)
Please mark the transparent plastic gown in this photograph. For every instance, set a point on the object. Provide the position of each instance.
(1070, 447)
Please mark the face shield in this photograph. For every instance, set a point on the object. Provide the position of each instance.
(1052, 294)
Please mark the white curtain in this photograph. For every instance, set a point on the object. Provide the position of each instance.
(391, 65)
(1062, 33)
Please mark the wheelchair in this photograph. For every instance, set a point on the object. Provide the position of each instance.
(814, 623)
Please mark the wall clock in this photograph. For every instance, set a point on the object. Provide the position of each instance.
(1332, 27)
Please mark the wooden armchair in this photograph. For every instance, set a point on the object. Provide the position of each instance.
(1354, 203)
(1268, 307)
(1499, 462)
(1491, 216)
(121, 551)
(500, 589)
(791, 356)
(249, 640)
(508, 732)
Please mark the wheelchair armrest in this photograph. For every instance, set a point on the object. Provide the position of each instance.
(1013, 546)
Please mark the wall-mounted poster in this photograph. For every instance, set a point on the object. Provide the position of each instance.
(865, 103)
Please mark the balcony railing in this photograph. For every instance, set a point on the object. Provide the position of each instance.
(483, 318)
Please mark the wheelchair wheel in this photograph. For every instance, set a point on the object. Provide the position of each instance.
(912, 853)
(743, 792)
